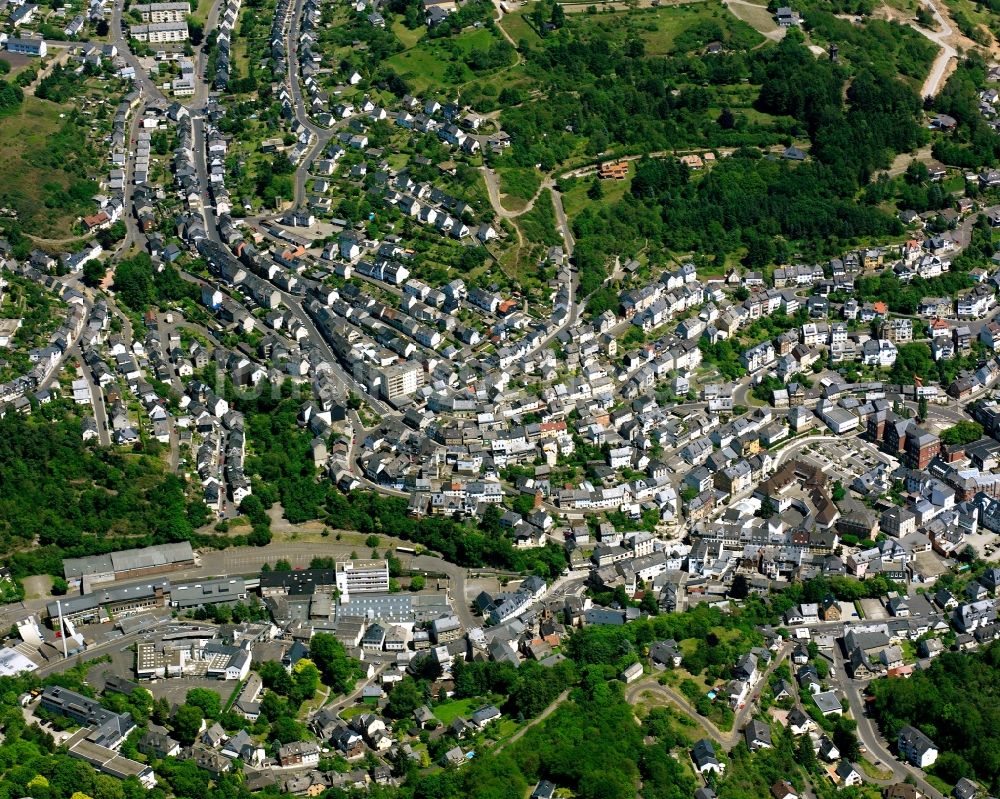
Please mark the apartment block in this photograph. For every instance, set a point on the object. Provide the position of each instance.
(162, 12)
(160, 32)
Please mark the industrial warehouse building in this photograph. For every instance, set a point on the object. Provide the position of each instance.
(129, 564)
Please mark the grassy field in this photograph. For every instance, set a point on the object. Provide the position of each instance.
(518, 185)
(686, 729)
(201, 9)
(659, 28)
(18, 63)
(420, 67)
(671, 21)
(539, 224)
(406, 36)
(974, 12)
(940, 784)
(909, 6)
(757, 17)
(874, 771)
(575, 197)
(439, 62)
(518, 28)
(241, 58)
(447, 712)
(23, 183)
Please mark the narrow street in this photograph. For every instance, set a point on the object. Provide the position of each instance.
(96, 400)
(868, 734)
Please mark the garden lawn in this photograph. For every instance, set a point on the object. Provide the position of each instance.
(447, 712)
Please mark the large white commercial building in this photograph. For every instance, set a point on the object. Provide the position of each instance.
(362, 577)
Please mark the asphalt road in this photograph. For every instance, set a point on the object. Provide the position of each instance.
(868, 733)
(96, 399)
(460, 601)
(320, 136)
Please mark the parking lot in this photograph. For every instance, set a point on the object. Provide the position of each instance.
(985, 544)
(175, 689)
(60, 736)
(873, 609)
(845, 459)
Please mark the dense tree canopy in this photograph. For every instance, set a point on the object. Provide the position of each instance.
(747, 201)
(955, 702)
(69, 499)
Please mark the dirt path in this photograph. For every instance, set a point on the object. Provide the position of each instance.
(903, 160)
(757, 17)
(43, 73)
(591, 169)
(580, 8)
(537, 720)
(493, 189)
(725, 739)
(43, 242)
(650, 687)
(947, 38)
(503, 31)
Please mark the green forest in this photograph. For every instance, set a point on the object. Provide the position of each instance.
(60, 498)
(974, 143)
(63, 498)
(956, 702)
(139, 286)
(749, 204)
(571, 747)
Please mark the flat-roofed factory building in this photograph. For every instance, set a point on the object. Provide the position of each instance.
(128, 564)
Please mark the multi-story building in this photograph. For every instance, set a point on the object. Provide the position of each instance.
(208, 592)
(162, 12)
(362, 576)
(899, 331)
(160, 32)
(898, 522)
(34, 47)
(109, 729)
(921, 447)
(119, 601)
(916, 748)
(128, 564)
(402, 379)
(392, 381)
(446, 629)
(109, 762)
(299, 753)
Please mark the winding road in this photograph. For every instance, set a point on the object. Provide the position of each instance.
(869, 735)
(939, 69)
